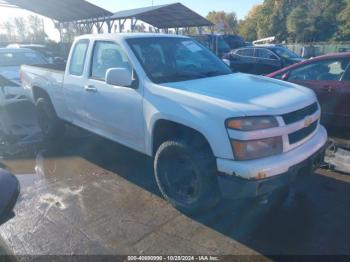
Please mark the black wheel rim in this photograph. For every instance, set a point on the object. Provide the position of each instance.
(180, 178)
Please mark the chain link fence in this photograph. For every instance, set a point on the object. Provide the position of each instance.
(320, 48)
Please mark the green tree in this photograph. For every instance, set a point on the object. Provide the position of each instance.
(344, 22)
(296, 24)
(9, 28)
(248, 26)
(36, 29)
(322, 19)
(21, 30)
(298, 20)
(228, 21)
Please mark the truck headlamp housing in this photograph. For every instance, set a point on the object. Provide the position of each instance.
(254, 149)
(252, 123)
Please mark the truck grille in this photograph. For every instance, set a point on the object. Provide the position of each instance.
(302, 133)
(300, 114)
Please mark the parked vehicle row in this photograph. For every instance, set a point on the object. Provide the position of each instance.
(211, 132)
(221, 45)
(10, 63)
(261, 60)
(329, 77)
(50, 56)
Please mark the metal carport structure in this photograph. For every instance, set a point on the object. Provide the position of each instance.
(63, 11)
(85, 15)
(161, 17)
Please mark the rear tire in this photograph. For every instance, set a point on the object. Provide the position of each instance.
(51, 126)
(186, 175)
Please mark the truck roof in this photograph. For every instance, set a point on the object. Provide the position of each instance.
(128, 36)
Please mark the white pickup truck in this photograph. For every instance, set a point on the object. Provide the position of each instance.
(210, 132)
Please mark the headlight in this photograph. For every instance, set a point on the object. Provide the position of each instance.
(254, 149)
(252, 123)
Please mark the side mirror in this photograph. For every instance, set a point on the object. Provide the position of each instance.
(119, 77)
(227, 62)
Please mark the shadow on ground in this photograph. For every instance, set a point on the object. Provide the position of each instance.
(313, 220)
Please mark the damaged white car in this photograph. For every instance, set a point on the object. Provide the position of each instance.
(10, 63)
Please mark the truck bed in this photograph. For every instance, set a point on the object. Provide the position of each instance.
(48, 77)
(56, 67)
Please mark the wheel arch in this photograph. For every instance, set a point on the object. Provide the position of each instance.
(39, 92)
(165, 129)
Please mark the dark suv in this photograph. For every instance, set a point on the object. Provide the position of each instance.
(261, 60)
(216, 43)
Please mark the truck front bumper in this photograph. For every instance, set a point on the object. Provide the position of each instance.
(240, 179)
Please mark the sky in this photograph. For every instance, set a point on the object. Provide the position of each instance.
(240, 7)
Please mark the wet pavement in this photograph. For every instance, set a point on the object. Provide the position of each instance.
(88, 195)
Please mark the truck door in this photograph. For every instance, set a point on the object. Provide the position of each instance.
(74, 82)
(266, 61)
(244, 61)
(114, 112)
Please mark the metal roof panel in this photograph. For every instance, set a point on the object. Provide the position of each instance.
(62, 10)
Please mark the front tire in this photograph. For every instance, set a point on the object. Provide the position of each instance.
(186, 175)
(51, 126)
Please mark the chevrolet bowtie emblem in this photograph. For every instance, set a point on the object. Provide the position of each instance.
(307, 122)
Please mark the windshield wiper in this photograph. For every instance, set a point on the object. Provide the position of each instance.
(213, 73)
(189, 76)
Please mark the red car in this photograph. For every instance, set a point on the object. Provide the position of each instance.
(329, 77)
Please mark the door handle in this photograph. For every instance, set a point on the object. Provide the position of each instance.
(90, 88)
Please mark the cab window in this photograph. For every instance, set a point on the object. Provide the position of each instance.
(265, 54)
(246, 52)
(107, 55)
(77, 62)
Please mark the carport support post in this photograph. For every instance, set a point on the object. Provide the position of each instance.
(133, 24)
(60, 29)
(110, 25)
(121, 25)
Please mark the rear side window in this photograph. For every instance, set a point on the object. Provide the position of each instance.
(77, 62)
(246, 52)
(265, 54)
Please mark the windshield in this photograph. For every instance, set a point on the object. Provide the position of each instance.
(20, 58)
(285, 53)
(169, 59)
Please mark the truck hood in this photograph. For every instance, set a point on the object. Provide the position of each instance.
(252, 95)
